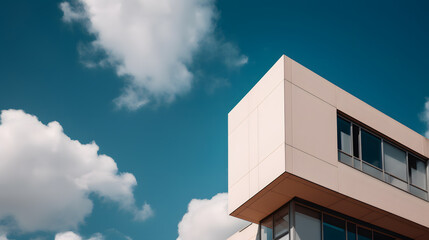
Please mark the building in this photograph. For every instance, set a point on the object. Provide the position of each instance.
(309, 161)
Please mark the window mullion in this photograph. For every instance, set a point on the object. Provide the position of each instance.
(427, 180)
(360, 147)
(346, 228)
(408, 174)
(321, 226)
(351, 140)
(292, 221)
(382, 159)
(274, 226)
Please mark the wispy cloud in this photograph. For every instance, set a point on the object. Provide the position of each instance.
(144, 213)
(70, 14)
(208, 219)
(150, 43)
(47, 177)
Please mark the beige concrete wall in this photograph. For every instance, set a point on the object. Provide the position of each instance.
(287, 123)
(256, 138)
(248, 233)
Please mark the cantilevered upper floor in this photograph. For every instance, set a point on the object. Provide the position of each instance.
(296, 135)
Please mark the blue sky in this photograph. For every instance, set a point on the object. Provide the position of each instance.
(156, 101)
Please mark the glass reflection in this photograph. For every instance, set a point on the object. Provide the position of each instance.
(343, 135)
(267, 229)
(417, 171)
(333, 228)
(307, 224)
(351, 231)
(371, 149)
(395, 161)
(281, 224)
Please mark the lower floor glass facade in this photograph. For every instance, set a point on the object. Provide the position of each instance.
(301, 220)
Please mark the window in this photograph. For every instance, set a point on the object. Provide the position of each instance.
(267, 229)
(344, 137)
(281, 224)
(371, 154)
(395, 161)
(417, 169)
(307, 224)
(364, 234)
(344, 141)
(418, 178)
(367, 152)
(313, 223)
(351, 231)
(276, 226)
(333, 228)
(371, 149)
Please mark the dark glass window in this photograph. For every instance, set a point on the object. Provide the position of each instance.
(281, 224)
(267, 229)
(364, 234)
(379, 236)
(356, 141)
(333, 228)
(351, 231)
(343, 135)
(371, 149)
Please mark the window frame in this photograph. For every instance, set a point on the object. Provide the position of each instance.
(272, 217)
(280, 236)
(406, 161)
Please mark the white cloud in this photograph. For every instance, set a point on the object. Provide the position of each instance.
(425, 117)
(69, 14)
(143, 214)
(150, 43)
(96, 236)
(208, 219)
(73, 236)
(110, 234)
(114, 234)
(67, 236)
(47, 177)
(3, 237)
